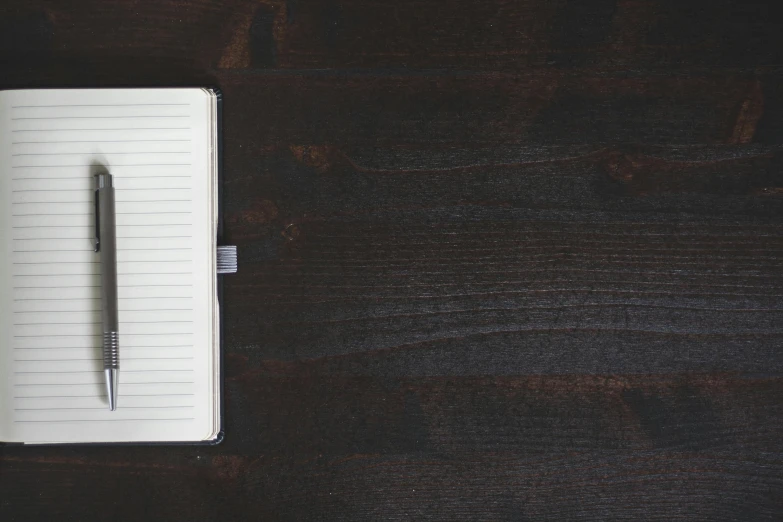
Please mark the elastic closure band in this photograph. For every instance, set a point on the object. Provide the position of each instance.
(227, 259)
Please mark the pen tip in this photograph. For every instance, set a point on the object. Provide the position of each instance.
(112, 378)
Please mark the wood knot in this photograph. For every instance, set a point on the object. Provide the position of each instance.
(319, 157)
(620, 167)
(292, 232)
(260, 212)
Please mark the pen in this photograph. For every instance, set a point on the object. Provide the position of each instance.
(106, 246)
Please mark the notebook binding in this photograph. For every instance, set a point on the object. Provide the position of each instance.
(226, 259)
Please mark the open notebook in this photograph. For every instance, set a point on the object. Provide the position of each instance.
(161, 147)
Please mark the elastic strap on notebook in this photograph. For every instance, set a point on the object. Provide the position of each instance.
(227, 259)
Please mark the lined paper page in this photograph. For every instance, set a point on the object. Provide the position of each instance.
(155, 144)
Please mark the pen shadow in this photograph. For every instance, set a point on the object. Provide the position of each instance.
(98, 166)
(97, 334)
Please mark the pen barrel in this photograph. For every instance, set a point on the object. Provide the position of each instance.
(108, 260)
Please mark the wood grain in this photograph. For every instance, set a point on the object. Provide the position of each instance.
(499, 261)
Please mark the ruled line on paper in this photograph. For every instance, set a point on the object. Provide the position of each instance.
(124, 347)
(95, 141)
(92, 202)
(153, 407)
(101, 358)
(98, 298)
(89, 190)
(98, 322)
(98, 262)
(66, 214)
(91, 214)
(102, 396)
(125, 225)
(44, 336)
(102, 130)
(101, 105)
(98, 273)
(33, 154)
(111, 117)
(99, 310)
(98, 383)
(101, 371)
(103, 420)
(92, 238)
(97, 286)
(91, 383)
(54, 190)
(88, 177)
(91, 250)
(116, 165)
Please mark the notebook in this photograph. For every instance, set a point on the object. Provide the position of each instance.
(161, 146)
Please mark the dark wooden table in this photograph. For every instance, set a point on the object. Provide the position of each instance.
(499, 260)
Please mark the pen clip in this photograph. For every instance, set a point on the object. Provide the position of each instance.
(97, 221)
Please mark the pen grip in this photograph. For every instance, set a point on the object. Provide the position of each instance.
(111, 350)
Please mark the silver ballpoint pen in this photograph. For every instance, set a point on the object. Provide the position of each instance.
(106, 246)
